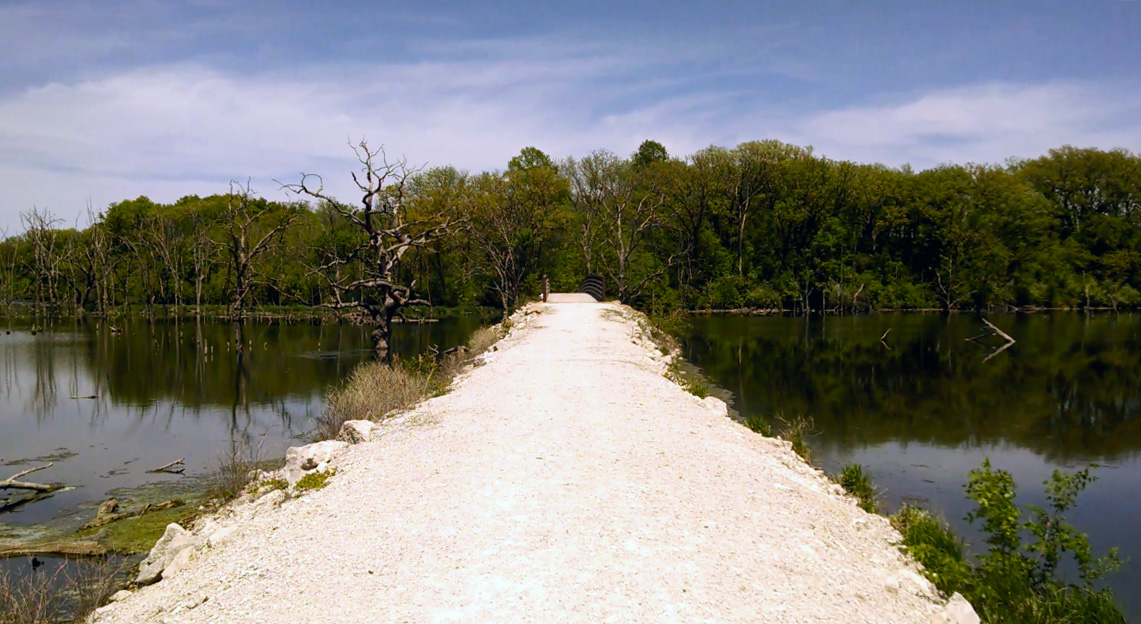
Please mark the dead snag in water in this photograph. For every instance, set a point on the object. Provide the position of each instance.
(12, 484)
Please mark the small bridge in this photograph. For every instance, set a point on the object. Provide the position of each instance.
(592, 289)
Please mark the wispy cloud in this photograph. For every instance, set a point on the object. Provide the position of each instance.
(980, 123)
(172, 129)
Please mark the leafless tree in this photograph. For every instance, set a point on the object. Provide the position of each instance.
(8, 254)
(201, 255)
(367, 277)
(165, 242)
(49, 256)
(251, 229)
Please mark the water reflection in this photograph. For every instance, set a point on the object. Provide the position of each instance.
(1068, 389)
(107, 404)
(924, 404)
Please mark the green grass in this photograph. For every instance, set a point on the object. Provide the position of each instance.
(858, 484)
(138, 534)
(796, 431)
(759, 424)
(313, 481)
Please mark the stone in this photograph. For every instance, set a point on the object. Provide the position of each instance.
(716, 405)
(173, 541)
(108, 512)
(122, 594)
(356, 431)
(180, 562)
(959, 611)
(217, 538)
(302, 459)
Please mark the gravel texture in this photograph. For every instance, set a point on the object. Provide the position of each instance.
(565, 480)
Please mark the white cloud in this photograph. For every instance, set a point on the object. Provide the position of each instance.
(982, 123)
(172, 130)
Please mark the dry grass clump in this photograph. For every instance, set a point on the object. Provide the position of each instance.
(237, 468)
(373, 391)
(482, 340)
(48, 596)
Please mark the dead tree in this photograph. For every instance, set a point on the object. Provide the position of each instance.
(251, 230)
(201, 255)
(367, 277)
(49, 256)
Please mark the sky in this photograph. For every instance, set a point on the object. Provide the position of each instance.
(106, 101)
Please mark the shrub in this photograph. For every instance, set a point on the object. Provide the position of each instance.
(857, 483)
(1017, 579)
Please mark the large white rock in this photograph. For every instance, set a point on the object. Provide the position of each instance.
(959, 611)
(302, 459)
(179, 563)
(356, 431)
(173, 541)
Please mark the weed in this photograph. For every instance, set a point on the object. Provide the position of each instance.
(373, 391)
(481, 340)
(759, 424)
(857, 483)
(68, 593)
(933, 546)
(796, 431)
(692, 383)
(376, 390)
(313, 481)
(273, 485)
(235, 471)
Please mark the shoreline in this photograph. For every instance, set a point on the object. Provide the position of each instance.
(435, 424)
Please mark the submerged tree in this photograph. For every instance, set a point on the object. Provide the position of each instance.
(367, 277)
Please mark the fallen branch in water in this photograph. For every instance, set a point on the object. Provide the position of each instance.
(12, 484)
(1000, 332)
(170, 468)
(75, 548)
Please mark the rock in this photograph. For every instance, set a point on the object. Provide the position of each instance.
(356, 431)
(301, 459)
(217, 538)
(180, 562)
(108, 512)
(173, 541)
(716, 405)
(122, 594)
(959, 611)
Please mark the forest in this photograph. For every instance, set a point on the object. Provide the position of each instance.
(764, 225)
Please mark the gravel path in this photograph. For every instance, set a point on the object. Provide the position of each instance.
(564, 481)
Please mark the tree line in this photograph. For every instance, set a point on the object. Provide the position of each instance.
(764, 224)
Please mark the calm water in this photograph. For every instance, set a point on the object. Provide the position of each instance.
(166, 392)
(925, 409)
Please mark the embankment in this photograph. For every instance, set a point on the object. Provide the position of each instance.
(566, 479)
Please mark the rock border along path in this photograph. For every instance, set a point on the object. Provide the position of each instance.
(565, 480)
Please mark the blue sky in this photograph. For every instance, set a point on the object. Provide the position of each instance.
(102, 101)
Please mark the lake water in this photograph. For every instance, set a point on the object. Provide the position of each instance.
(924, 406)
(106, 407)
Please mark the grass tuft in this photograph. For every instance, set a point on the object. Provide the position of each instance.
(858, 484)
(313, 481)
(796, 431)
(759, 424)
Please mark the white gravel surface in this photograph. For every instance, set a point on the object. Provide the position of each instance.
(566, 480)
